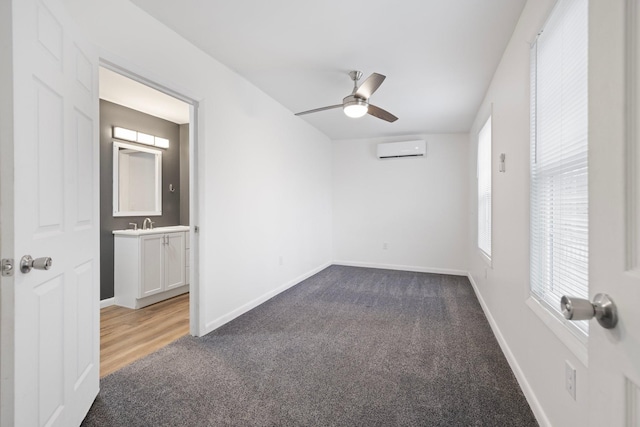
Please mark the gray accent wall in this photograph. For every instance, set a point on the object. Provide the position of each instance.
(116, 115)
(184, 174)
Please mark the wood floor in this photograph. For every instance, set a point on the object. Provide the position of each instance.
(127, 335)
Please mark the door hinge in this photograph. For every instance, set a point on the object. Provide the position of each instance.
(7, 267)
(196, 229)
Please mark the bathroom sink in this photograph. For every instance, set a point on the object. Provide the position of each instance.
(155, 230)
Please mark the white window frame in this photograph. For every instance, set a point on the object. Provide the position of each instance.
(484, 187)
(558, 168)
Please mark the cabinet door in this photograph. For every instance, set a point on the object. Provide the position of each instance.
(152, 250)
(174, 260)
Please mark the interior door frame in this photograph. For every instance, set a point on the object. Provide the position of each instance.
(131, 71)
(7, 191)
(6, 212)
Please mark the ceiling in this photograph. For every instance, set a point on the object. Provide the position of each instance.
(438, 56)
(121, 90)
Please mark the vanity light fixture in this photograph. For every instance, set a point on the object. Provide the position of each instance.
(126, 134)
(142, 138)
(161, 142)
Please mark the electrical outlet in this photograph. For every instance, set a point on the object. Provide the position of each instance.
(385, 246)
(281, 260)
(570, 379)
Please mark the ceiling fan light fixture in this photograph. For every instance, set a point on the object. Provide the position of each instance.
(357, 103)
(356, 108)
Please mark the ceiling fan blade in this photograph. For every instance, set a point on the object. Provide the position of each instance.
(370, 85)
(319, 109)
(381, 114)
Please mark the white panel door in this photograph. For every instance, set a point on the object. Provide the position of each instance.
(614, 210)
(55, 204)
(174, 255)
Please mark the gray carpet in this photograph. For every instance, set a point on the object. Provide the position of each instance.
(346, 347)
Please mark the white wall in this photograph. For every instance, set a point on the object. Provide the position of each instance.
(264, 174)
(418, 206)
(536, 353)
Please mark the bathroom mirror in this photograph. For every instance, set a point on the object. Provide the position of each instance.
(137, 180)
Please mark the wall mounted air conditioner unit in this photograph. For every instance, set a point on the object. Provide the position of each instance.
(391, 150)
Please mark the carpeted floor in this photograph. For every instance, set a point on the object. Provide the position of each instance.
(346, 347)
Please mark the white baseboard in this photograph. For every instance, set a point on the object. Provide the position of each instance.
(215, 324)
(107, 302)
(434, 270)
(533, 401)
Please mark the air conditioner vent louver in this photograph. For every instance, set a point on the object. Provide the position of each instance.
(392, 150)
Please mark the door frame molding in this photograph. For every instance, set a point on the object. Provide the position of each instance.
(127, 69)
(631, 135)
(7, 332)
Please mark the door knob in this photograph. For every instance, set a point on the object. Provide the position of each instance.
(27, 263)
(602, 308)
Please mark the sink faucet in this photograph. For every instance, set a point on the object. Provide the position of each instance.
(135, 226)
(149, 226)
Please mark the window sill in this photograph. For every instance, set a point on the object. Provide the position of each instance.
(578, 346)
(485, 258)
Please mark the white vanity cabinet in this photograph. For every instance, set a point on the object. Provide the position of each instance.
(149, 265)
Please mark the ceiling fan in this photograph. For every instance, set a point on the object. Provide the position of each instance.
(357, 104)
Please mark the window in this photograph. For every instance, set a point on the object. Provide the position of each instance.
(484, 189)
(559, 185)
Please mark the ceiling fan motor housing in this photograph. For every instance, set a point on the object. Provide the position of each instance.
(353, 100)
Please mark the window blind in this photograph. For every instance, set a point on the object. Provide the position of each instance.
(484, 188)
(559, 181)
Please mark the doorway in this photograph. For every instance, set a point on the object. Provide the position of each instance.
(145, 223)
